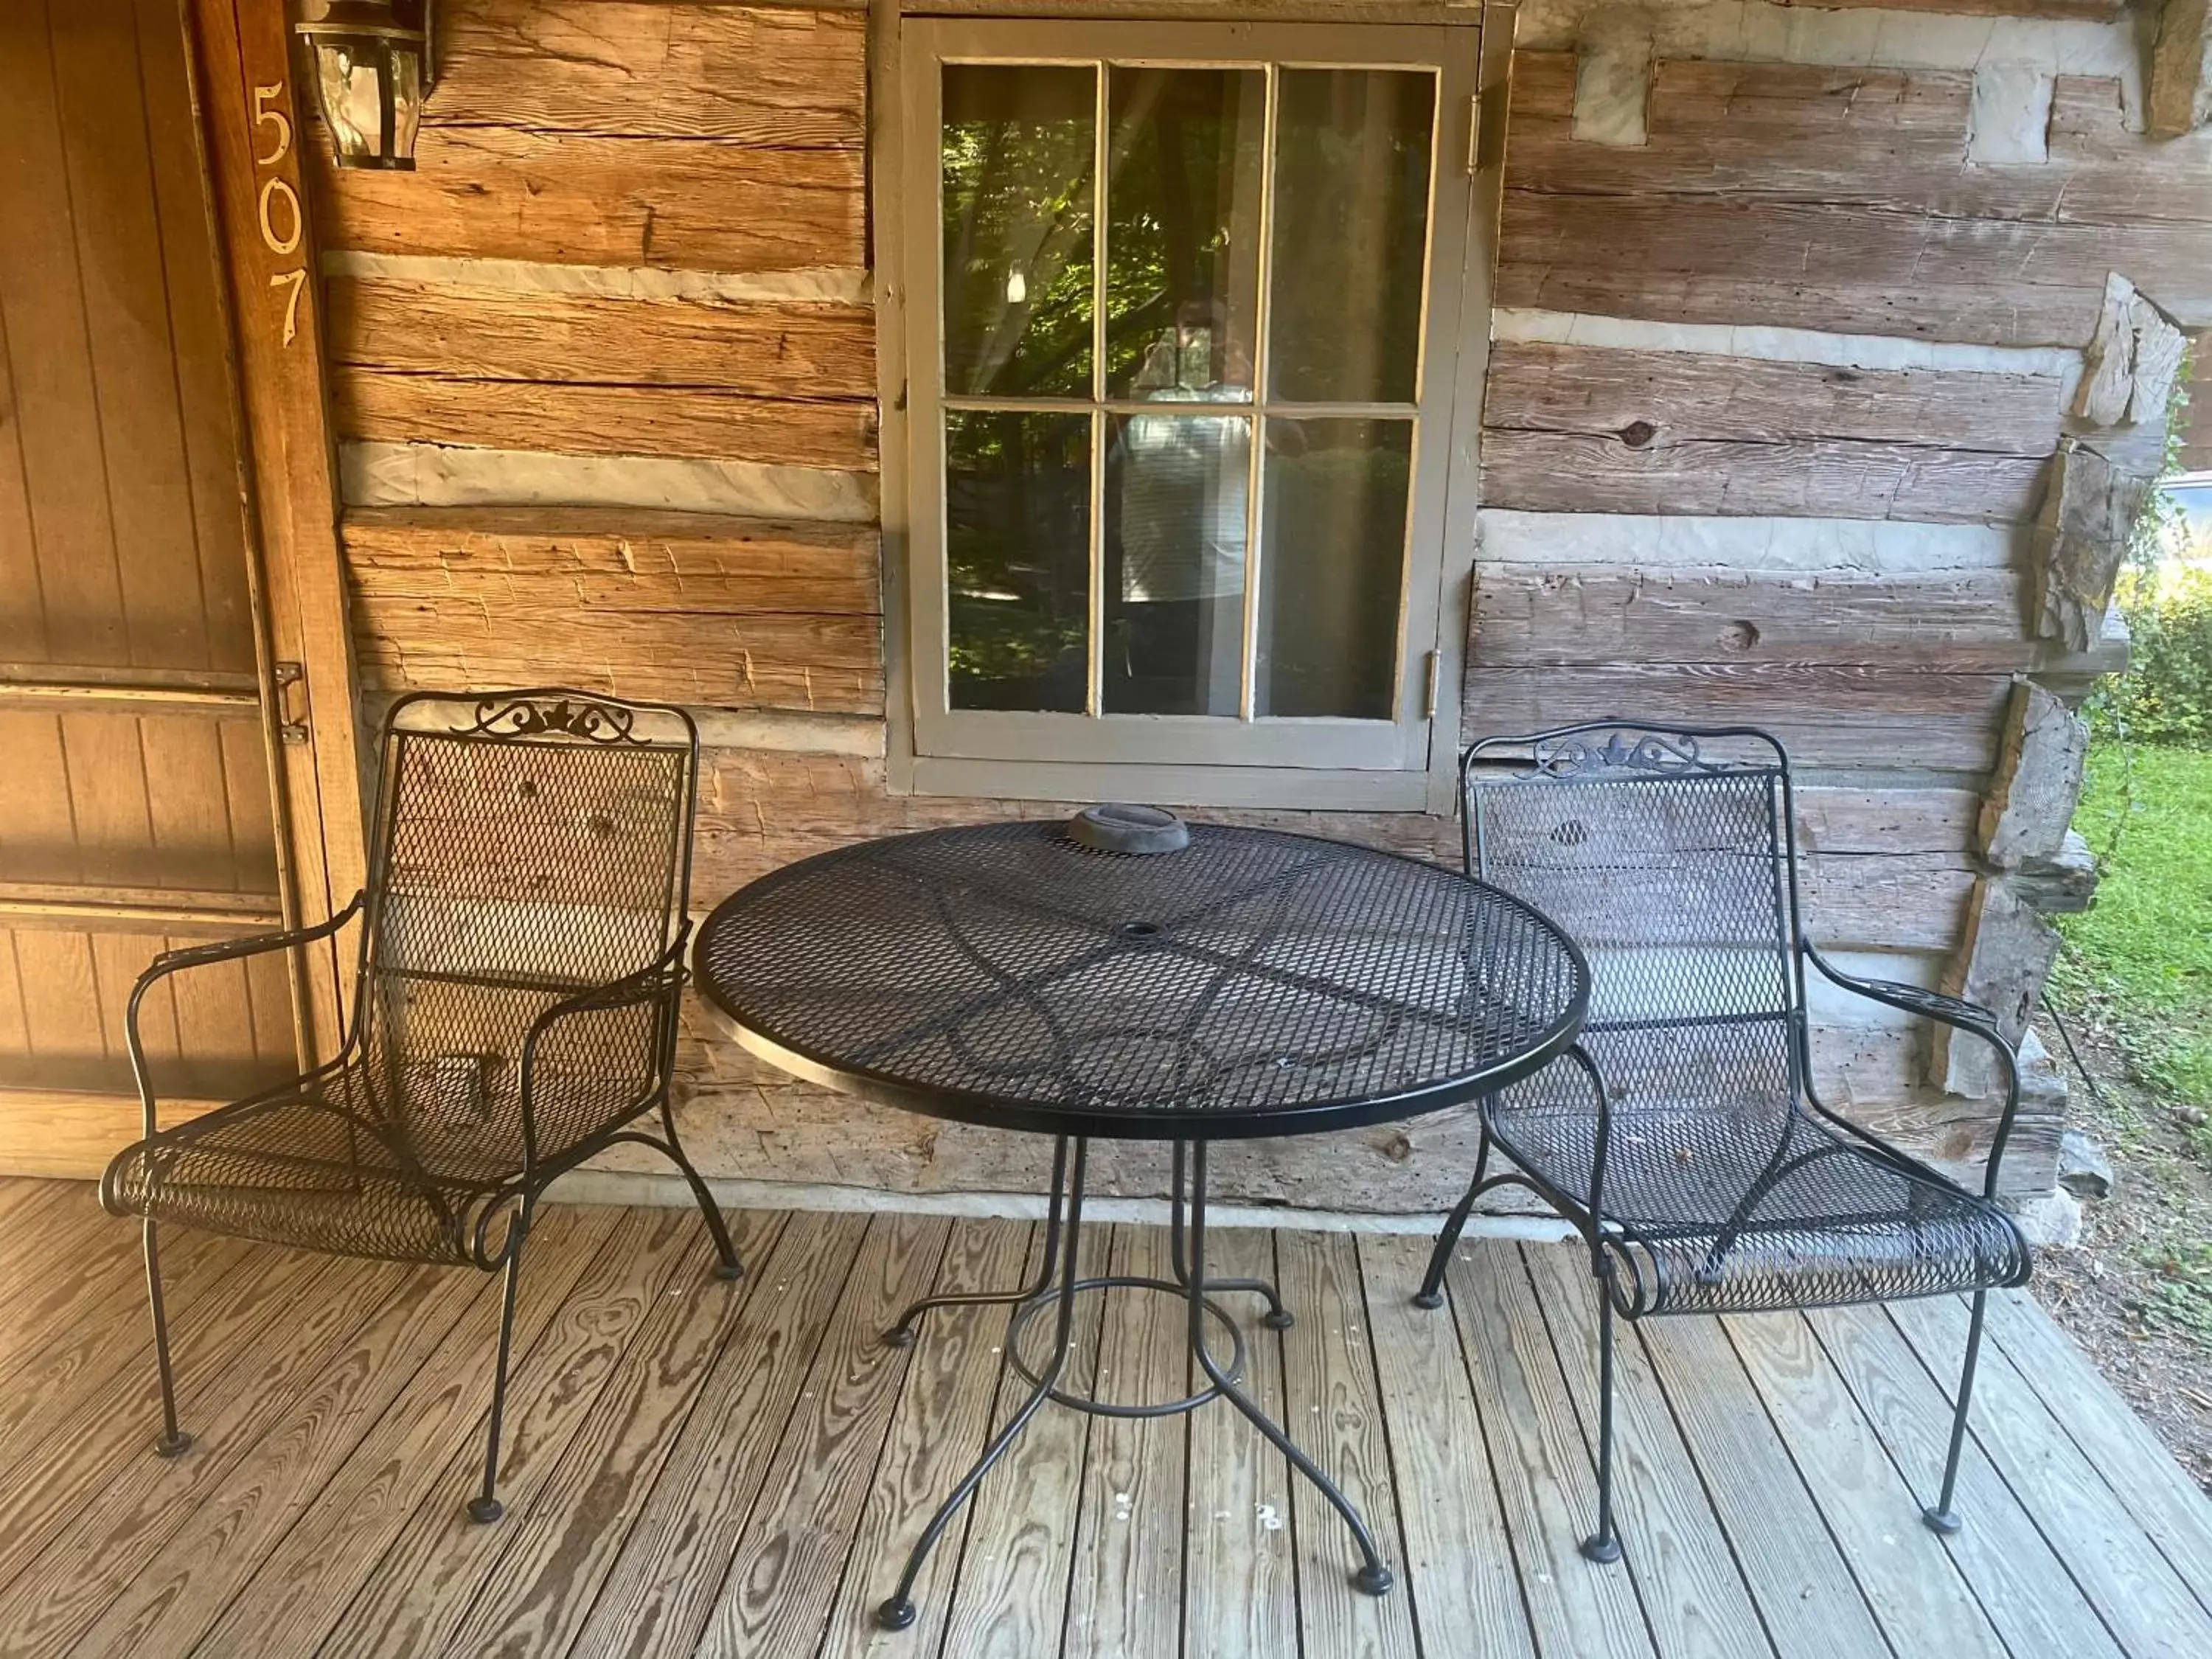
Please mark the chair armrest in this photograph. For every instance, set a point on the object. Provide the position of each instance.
(659, 982)
(1955, 1011)
(202, 955)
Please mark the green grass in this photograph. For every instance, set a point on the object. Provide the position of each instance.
(2144, 951)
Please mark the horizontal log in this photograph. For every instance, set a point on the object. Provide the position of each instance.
(1840, 198)
(603, 420)
(1840, 819)
(1891, 138)
(785, 77)
(1686, 397)
(764, 350)
(734, 614)
(699, 205)
(1884, 869)
(744, 1120)
(1593, 473)
(1529, 615)
(1826, 716)
(1800, 265)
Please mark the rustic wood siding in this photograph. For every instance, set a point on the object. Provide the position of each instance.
(618, 241)
(637, 240)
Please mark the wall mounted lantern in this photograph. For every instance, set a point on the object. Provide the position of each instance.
(373, 66)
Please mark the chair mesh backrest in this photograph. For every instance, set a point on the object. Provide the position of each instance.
(1669, 868)
(531, 846)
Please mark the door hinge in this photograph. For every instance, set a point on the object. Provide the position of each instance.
(287, 675)
(1429, 686)
(1473, 134)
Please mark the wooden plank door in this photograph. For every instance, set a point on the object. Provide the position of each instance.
(136, 724)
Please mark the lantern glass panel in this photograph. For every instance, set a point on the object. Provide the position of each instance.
(406, 101)
(349, 75)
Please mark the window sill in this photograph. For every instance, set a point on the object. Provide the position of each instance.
(1238, 787)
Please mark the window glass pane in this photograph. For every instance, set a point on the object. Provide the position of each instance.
(1178, 500)
(1351, 234)
(1016, 153)
(1331, 566)
(1187, 150)
(1018, 559)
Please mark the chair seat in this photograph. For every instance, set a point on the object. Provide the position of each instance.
(1754, 1204)
(318, 1165)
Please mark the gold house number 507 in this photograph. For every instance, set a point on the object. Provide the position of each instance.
(279, 208)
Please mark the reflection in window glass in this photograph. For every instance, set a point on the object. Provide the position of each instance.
(1177, 512)
(1018, 559)
(1332, 567)
(1015, 154)
(1187, 152)
(1352, 199)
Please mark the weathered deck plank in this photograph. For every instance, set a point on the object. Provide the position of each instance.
(1546, 1479)
(1239, 1573)
(652, 1602)
(951, 1382)
(1911, 1583)
(2119, 1567)
(2021, 1583)
(1010, 1598)
(781, 1584)
(1335, 1416)
(1457, 1549)
(1693, 1594)
(305, 1585)
(563, 1543)
(740, 1469)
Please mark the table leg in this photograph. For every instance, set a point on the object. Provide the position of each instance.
(1278, 1317)
(901, 1334)
(898, 1611)
(1372, 1577)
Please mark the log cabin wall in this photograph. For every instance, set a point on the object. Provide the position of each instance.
(1797, 313)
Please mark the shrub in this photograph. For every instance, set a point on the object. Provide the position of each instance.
(2165, 697)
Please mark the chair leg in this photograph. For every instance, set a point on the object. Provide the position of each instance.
(174, 1442)
(1432, 1294)
(485, 1507)
(727, 1265)
(1604, 1544)
(1943, 1519)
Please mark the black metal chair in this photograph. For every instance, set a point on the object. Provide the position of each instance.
(1690, 1148)
(513, 1011)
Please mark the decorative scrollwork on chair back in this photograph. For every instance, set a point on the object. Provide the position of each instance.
(556, 714)
(1635, 750)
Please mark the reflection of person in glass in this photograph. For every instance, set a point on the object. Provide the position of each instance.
(1183, 485)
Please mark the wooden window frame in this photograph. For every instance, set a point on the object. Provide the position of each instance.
(1032, 757)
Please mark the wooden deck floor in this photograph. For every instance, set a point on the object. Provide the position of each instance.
(701, 1467)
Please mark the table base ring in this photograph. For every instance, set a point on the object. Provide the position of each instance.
(1234, 1371)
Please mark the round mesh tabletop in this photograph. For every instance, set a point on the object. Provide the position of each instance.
(1251, 983)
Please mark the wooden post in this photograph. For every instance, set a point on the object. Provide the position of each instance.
(243, 89)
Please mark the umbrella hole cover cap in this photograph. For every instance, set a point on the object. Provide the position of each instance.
(1127, 827)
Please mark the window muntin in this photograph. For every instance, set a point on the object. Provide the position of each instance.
(1209, 283)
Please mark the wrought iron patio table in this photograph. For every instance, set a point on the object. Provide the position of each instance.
(1249, 983)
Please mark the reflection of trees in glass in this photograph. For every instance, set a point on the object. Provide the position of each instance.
(1184, 160)
(1015, 154)
(1018, 559)
(1182, 208)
